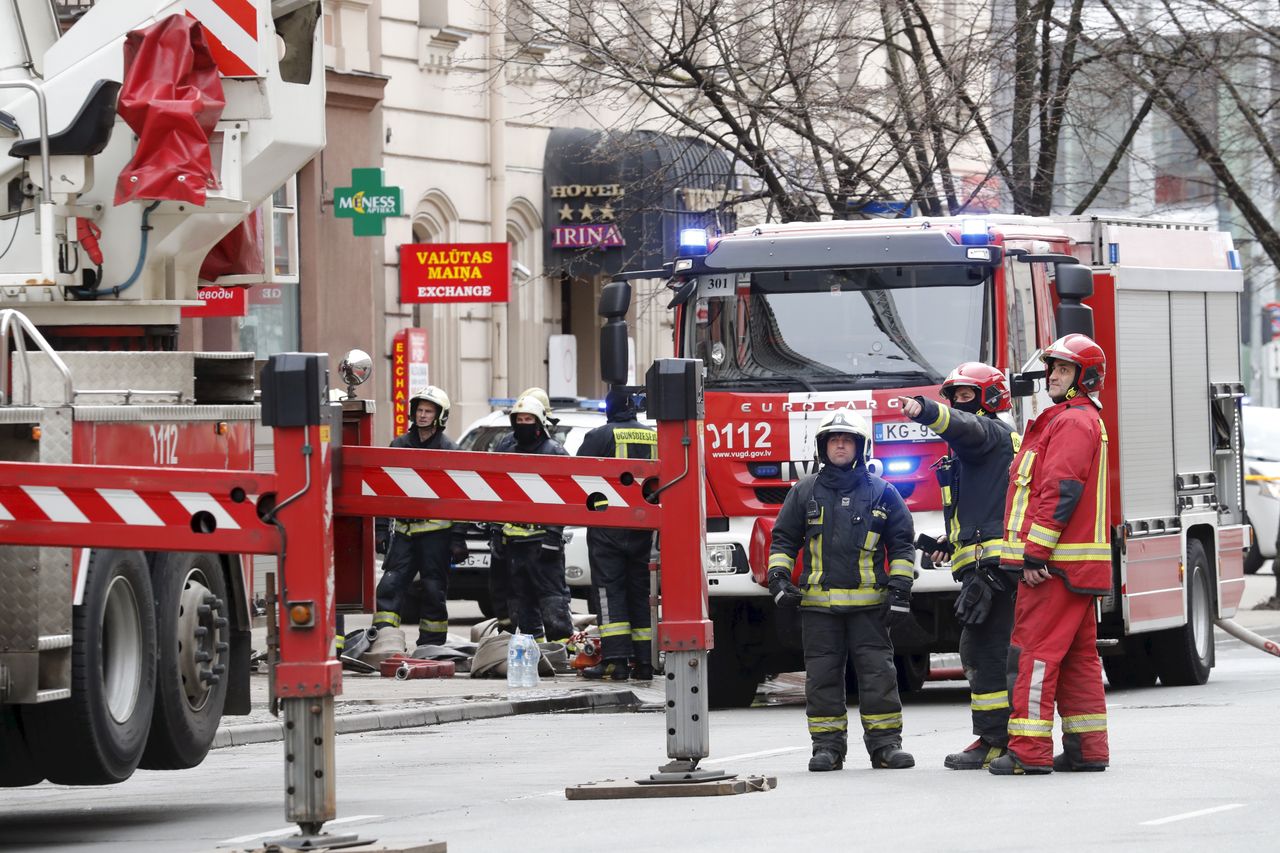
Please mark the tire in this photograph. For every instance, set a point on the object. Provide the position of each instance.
(17, 768)
(1253, 559)
(1136, 668)
(1184, 656)
(193, 650)
(913, 671)
(97, 736)
(731, 680)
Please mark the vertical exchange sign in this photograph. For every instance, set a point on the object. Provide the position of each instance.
(409, 372)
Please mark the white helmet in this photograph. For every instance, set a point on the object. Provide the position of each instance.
(435, 395)
(847, 421)
(530, 405)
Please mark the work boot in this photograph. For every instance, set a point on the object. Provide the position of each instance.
(976, 756)
(1064, 763)
(825, 759)
(1009, 765)
(607, 670)
(388, 642)
(642, 672)
(892, 757)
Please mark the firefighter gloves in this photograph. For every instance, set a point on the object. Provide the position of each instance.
(974, 603)
(898, 611)
(784, 592)
(380, 543)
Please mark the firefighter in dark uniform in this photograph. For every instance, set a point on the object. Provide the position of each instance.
(499, 567)
(859, 561)
(974, 479)
(620, 558)
(420, 546)
(535, 552)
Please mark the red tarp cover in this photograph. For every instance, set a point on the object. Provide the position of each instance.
(171, 97)
(238, 253)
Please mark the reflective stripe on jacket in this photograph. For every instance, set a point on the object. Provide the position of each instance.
(855, 544)
(1057, 503)
(974, 484)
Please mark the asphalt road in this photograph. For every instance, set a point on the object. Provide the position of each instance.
(1192, 769)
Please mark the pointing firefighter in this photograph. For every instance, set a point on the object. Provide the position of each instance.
(974, 480)
(620, 558)
(535, 552)
(1057, 537)
(859, 561)
(418, 546)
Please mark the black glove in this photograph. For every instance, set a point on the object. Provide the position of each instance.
(380, 542)
(784, 592)
(898, 609)
(1033, 563)
(976, 591)
(458, 549)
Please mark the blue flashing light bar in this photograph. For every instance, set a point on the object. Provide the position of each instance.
(973, 232)
(765, 470)
(693, 240)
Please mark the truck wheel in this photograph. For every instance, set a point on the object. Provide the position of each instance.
(191, 661)
(1135, 668)
(97, 736)
(17, 769)
(731, 679)
(913, 671)
(1184, 655)
(1253, 558)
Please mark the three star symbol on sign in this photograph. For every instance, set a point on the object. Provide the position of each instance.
(587, 212)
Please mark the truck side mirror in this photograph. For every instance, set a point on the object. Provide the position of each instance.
(615, 300)
(1074, 284)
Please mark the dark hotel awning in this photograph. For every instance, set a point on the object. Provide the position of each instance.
(617, 201)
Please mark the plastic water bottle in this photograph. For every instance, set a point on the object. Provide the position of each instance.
(531, 657)
(516, 660)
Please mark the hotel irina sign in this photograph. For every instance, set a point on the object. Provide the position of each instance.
(587, 216)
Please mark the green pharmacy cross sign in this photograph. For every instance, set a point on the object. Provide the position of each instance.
(367, 203)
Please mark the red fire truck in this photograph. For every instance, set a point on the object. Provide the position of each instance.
(791, 321)
(136, 140)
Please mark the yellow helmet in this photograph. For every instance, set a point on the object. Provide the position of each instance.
(538, 394)
(434, 395)
(847, 421)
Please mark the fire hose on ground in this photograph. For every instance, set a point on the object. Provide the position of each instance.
(1244, 635)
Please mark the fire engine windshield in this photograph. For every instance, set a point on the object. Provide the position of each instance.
(868, 327)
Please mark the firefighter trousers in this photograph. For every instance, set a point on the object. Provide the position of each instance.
(540, 596)
(620, 574)
(830, 639)
(409, 556)
(984, 654)
(499, 583)
(1053, 659)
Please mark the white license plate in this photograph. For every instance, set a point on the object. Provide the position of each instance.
(905, 431)
(474, 561)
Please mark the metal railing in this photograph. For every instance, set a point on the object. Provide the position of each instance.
(12, 325)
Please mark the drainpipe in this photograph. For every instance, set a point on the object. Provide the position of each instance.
(497, 104)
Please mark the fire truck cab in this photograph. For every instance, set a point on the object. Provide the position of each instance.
(794, 320)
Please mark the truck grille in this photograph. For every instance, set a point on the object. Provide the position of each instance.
(773, 495)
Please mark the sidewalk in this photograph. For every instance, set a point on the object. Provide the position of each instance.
(370, 702)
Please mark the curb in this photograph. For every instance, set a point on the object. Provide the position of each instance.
(406, 718)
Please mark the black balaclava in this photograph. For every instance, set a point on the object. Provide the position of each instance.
(527, 434)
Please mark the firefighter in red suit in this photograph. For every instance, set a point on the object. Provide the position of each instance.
(1057, 537)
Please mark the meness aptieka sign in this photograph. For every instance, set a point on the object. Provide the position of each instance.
(454, 272)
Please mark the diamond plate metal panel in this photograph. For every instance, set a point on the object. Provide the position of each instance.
(156, 376)
(55, 593)
(19, 598)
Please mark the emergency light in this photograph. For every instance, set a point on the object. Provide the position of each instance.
(902, 465)
(973, 232)
(693, 239)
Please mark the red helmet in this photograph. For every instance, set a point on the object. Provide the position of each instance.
(1084, 352)
(990, 384)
